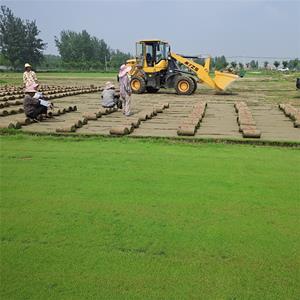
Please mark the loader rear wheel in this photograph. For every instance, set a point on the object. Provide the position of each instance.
(138, 85)
(151, 89)
(184, 85)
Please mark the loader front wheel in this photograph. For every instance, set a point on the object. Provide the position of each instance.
(184, 85)
(138, 85)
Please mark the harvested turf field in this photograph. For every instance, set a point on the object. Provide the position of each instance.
(136, 219)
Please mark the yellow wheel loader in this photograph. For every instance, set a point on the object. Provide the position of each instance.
(155, 67)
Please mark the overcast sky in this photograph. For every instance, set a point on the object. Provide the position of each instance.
(233, 28)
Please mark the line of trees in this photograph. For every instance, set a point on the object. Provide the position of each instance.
(293, 64)
(83, 51)
(20, 43)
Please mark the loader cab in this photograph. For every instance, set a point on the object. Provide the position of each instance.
(152, 55)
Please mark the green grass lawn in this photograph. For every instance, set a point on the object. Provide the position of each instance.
(136, 219)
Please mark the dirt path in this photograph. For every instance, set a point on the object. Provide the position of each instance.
(219, 121)
(273, 124)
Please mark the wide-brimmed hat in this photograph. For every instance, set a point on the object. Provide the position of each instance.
(27, 65)
(109, 85)
(31, 88)
(124, 70)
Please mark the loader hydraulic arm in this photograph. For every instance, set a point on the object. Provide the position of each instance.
(221, 80)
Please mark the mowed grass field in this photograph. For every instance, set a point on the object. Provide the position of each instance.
(141, 219)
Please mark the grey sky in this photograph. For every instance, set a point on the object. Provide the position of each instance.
(232, 28)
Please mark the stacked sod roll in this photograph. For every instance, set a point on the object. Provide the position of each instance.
(190, 124)
(292, 112)
(247, 124)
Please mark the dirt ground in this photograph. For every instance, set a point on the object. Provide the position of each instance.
(262, 94)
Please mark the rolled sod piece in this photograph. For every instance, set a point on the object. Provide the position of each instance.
(9, 125)
(246, 127)
(24, 121)
(149, 114)
(98, 114)
(74, 108)
(246, 121)
(295, 115)
(199, 108)
(187, 130)
(239, 104)
(142, 116)
(12, 112)
(251, 133)
(90, 116)
(290, 111)
(2, 105)
(102, 110)
(17, 125)
(69, 128)
(132, 121)
(159, 108)
(191, 120)
(166, 105)
(56, 112)
(195, 115)
(297, 123)
(129, 126)
(281, 106)
(20, 110)
(17, 102)
(84, 120)
(78, 124)
(120, 130)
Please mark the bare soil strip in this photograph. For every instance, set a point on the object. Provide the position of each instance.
(219, 121)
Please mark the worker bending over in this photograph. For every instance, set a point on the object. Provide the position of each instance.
(109, 97)
(34, 105)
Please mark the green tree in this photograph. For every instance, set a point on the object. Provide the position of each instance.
(86, 52)
(253, 64)
(118, 58)
(83, 49)
(285, 63)
(294, 64)
(51, 61)
(220, 62)
(241, 65)
(233, 64)
(276, 64)
(266, 63)
(19, 42)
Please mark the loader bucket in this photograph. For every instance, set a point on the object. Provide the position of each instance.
(223, 80)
